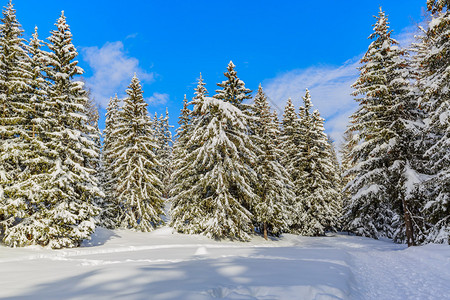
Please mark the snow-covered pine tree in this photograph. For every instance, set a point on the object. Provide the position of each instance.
(317, 184)
(181, 138)
(155, 125)
(96, 162)
(138, 188)
(165, 152)
(274, 184)
(289, 144)
(185, 213)
(110, 207)
(387, 125)
(65, 211)
(435, 85)
(200, 91)
(16, 150)
(350, 140)
(38, 84)
(217, 178)
(184, 121)
(233, 89)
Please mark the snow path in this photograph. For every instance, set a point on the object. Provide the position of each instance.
(165, 265)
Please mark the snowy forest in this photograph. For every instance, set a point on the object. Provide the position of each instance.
(234, 168)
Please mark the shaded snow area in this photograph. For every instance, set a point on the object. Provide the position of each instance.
(164, 265)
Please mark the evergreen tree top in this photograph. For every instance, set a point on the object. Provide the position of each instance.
(200, 90)
(113, 103)
(9, 20)
(10, 29)
(62, 29)
(35, 42)
(381, 33)
(307, 104)
(62, 50)
(289, 115)
(233, 89)
(289, 110)
(135, 92)
(184, 113)
(260, 99)
(200, 94)
(111, 110)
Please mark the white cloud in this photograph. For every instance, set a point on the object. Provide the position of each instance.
(158, 99)
(330, 89)
(112, 71)
(131, 36)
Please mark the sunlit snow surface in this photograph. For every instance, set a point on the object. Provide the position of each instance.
(164, 265)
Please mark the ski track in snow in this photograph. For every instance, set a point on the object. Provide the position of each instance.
(164, 265)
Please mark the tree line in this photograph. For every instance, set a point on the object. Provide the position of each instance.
(234, 168)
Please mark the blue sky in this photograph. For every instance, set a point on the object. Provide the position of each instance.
(286, 45)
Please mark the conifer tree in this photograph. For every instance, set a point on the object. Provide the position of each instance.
(386, 124)
(317, 202)
(64, 208)
(165, 152)
(434, 84)
(274, 185)
(200, 91)
(138, 188)
(233, 89)
(184, 123)
(16, 119)
(110, 206)
(216, 189)
(290, 134)
(289, 144)
(184, 211)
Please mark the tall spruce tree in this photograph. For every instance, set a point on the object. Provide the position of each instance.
(63, 209)
(186, 214)
(138, 188)
(164, 155)
(110, 207)
(70, 210)
(214, 185)
(14, 110)
(385, 158)
(317, 181)
(289, 144)
(222, 178)
(435, 85)
(274, 184)
(184, 121)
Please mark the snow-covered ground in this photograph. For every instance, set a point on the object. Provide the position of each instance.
(164, 265)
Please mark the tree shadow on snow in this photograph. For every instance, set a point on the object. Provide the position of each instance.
(100, 236)
(265, 273)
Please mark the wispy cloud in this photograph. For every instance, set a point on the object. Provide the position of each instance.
(330, 89)
(131, 36)
(112, 71)
(158, 99)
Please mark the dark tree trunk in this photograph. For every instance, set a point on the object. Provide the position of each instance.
(265, 230)
(408, 225)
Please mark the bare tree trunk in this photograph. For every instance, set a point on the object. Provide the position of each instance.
(265, 230)
(408, 225)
